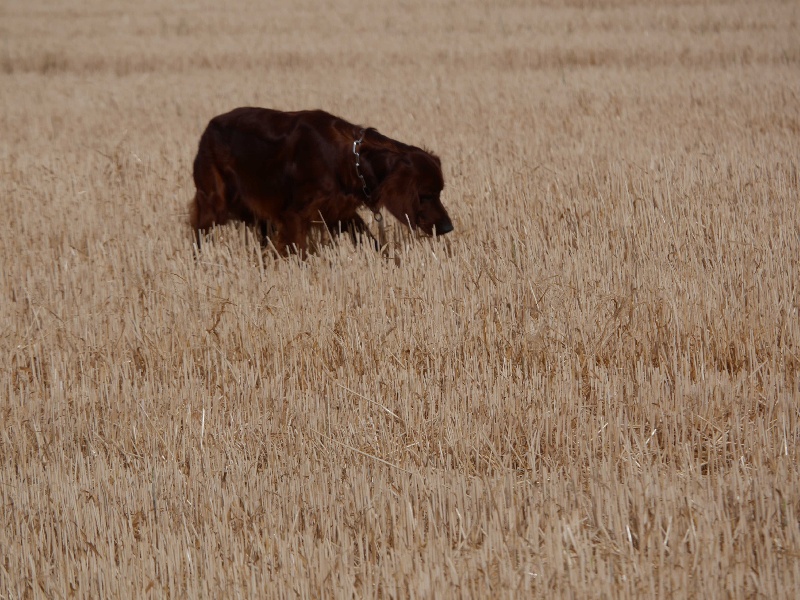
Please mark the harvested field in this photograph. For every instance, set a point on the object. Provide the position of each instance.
(591, 388)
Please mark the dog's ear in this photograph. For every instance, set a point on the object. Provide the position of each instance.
(398, 192)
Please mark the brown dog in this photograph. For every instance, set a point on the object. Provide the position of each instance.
(291, 168)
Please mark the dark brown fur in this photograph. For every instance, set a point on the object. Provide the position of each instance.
(292, 168)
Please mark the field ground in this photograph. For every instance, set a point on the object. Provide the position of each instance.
(591, 388)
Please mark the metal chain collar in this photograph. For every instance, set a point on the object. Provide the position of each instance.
(356, 147)
(376, 212)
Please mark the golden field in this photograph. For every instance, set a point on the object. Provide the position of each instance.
(591, 388)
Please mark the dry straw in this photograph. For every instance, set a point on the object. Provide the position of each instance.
(590, 389)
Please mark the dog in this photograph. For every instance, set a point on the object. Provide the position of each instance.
(290, 169)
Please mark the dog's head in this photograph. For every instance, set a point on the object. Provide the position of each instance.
(412, 192)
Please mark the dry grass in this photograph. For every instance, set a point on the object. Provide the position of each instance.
(591, 390)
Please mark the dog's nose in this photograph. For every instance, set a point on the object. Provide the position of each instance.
(444, 227)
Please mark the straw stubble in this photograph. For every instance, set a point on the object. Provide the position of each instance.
(589, 388)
